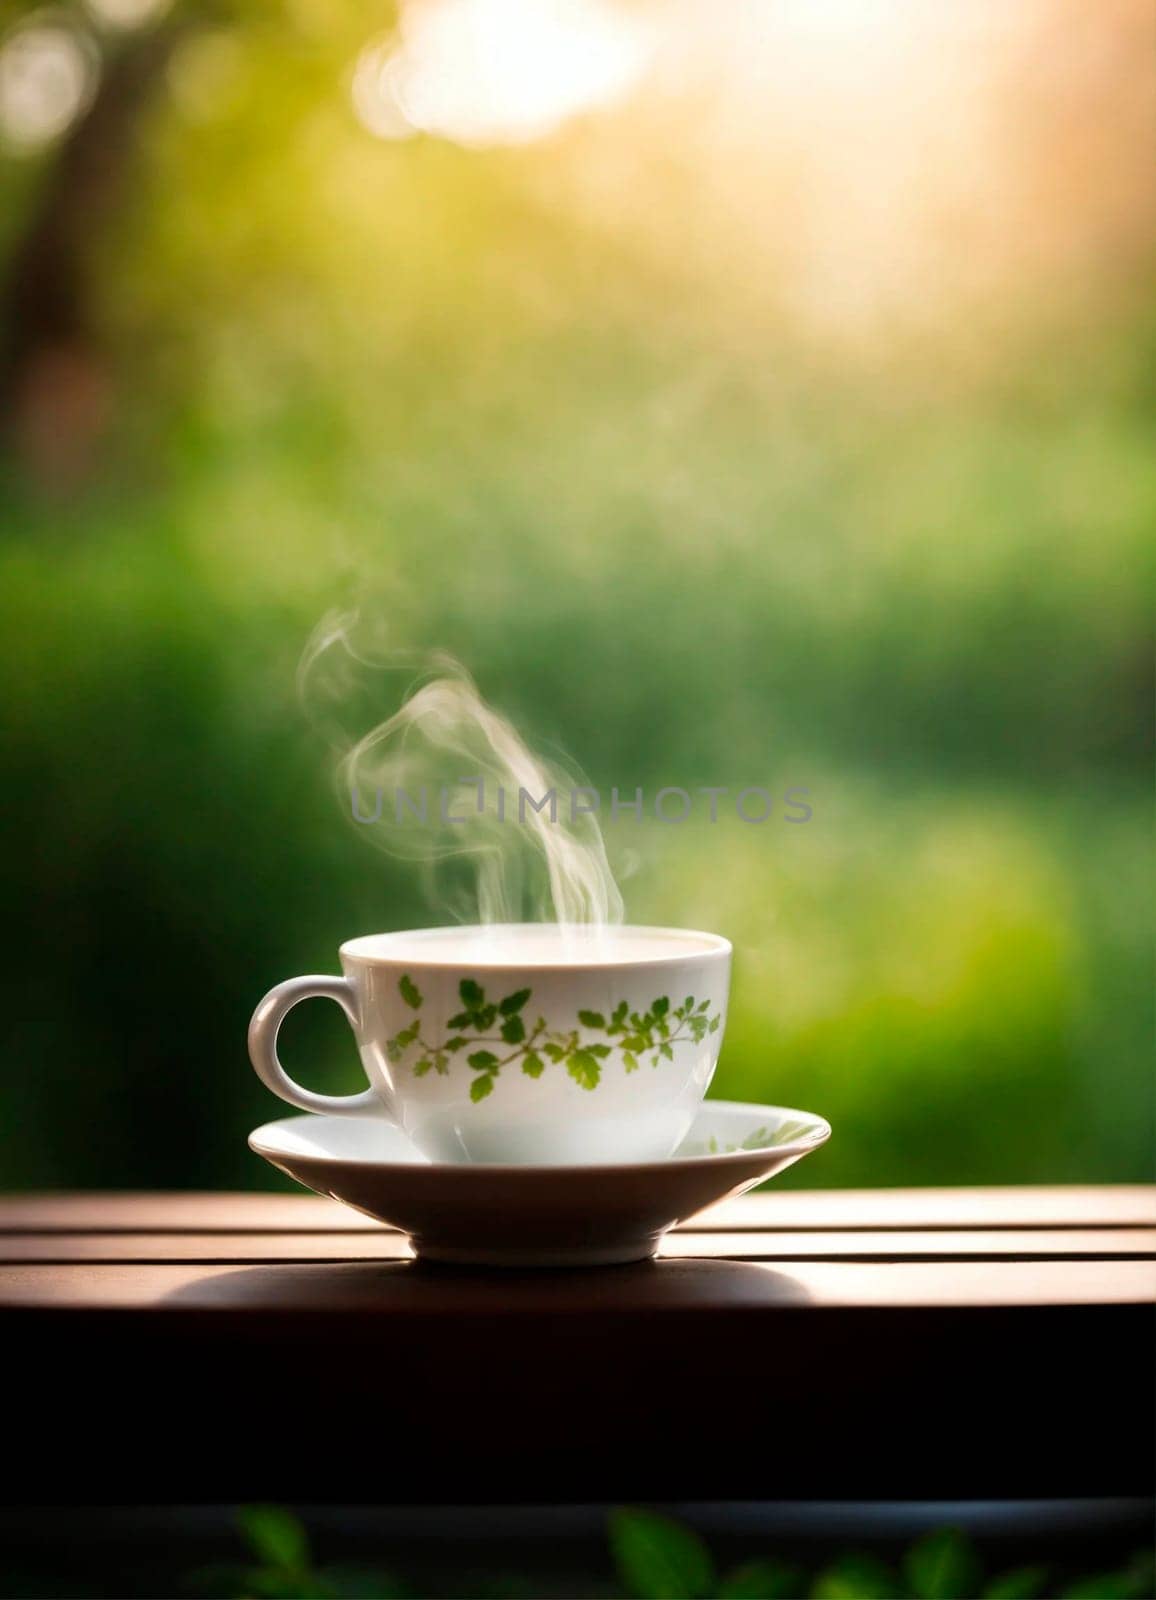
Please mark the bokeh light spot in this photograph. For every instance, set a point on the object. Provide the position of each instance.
(374, 98)
(128, 14)
(48, 74)
(205, 75)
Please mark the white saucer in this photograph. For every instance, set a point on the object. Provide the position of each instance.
(522, 1216)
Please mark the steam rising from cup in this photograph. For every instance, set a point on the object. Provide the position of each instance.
(446, 781)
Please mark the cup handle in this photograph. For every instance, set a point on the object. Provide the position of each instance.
(263, 1030)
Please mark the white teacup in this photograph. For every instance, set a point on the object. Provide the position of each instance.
(524, 1042)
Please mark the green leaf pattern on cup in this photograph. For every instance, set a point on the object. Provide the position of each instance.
(497, 1034)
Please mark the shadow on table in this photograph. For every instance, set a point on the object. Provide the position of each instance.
(413, 1287)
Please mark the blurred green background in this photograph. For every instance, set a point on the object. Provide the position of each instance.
(748, 395)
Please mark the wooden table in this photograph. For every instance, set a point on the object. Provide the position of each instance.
(881, 1345)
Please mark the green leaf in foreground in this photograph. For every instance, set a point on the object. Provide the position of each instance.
(472, 993)
(532, 1064)
(1021, 1583)
(482, 1060)
(1134, 1582)
(943, 1566)
(514, 1002)
(366, 1583)
(856, 1578)
(275, 1535)
(659, 1560)
(481, 1086)
(592, 1019)
(762, 1580)
(513, 1030)
(410, 992)
(584, 1067)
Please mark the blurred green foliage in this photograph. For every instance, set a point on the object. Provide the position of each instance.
(669, 526)
(656, 1558)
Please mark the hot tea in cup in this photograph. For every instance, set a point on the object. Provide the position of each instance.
(525, 1043)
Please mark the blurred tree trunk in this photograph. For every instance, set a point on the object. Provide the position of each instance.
(55, 386)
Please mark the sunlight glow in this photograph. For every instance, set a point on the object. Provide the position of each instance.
(493, 72)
